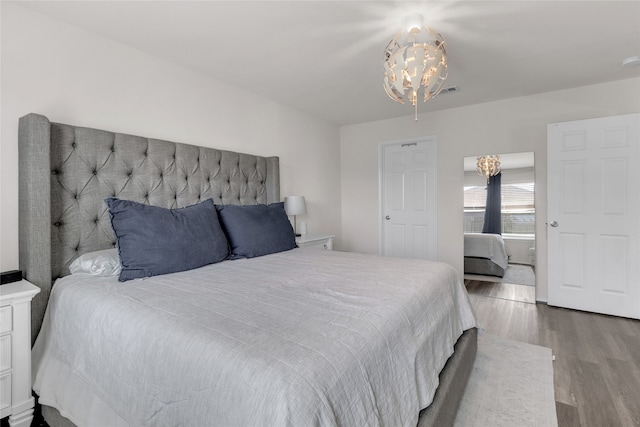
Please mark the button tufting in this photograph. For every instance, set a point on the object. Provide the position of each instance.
(54, 172)
(77, 248)
(113, 149)
(95, 172)
(73, 144)
(57, 223)
(97, 220)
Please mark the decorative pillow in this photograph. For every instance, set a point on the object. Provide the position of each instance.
(97, 263)
(256, 230)
(154, 240)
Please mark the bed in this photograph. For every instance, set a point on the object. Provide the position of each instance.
(485, 254)
(296, 337)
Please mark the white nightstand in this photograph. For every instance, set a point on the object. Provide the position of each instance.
(15, 352)
(320, 241)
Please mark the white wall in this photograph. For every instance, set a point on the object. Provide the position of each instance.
(514, 125)
(76, 77)
(520, 251)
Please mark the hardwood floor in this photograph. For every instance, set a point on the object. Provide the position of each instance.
(597, 357)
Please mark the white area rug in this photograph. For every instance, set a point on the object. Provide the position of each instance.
(511, 385)
(519, 275)
(515, 274)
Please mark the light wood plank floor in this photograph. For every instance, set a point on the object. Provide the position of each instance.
(597, 357)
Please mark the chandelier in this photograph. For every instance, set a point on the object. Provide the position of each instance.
(488, 166)
(415, 63)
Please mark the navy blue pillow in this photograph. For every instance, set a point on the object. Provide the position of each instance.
(154, 240)
(256, 230)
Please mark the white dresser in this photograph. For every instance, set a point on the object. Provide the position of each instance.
(320, 241)
(16, 400)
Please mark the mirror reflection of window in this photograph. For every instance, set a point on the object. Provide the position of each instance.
(518, 203)
(518, 209)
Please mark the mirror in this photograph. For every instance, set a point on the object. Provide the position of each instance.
(501, 265)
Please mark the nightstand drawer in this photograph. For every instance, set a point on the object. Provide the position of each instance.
(16, 400)
(319, 244)
(5, 353)
(5, 392)
(6, 319)
(316, 241)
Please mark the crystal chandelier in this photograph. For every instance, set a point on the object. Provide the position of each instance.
(488, 166)
(415, 61)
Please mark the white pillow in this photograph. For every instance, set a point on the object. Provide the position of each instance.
(98, 263)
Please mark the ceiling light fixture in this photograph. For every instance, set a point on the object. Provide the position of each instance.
(488, 166)
(415, 61)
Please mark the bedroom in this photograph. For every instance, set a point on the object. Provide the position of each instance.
(74, 76)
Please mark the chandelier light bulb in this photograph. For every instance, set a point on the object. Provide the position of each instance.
(413, 22)
(488, 166)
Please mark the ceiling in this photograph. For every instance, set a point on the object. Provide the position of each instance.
(325, 57)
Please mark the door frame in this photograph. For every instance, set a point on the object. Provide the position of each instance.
(429, 139)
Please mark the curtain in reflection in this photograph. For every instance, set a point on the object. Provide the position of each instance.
(493, 211)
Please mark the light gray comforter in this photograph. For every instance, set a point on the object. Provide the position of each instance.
(300, 338)
(486, 245)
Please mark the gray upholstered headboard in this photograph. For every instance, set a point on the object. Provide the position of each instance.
(66, 172)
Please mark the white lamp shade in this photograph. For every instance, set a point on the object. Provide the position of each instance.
(295, 205)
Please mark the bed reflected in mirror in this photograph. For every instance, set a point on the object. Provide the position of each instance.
(499, 225)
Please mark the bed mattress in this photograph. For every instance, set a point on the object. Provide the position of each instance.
(303, 337)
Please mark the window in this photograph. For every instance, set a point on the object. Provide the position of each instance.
(518, 210)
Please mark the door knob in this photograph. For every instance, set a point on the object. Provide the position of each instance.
(553, 223)
(387, 217)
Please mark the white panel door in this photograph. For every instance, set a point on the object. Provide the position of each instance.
(408, 197)
(593, 229)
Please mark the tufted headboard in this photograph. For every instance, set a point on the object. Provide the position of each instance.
(66, 172)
